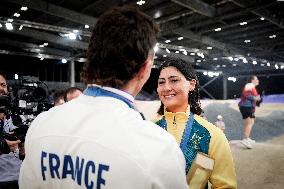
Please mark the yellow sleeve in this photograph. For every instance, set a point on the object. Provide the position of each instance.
(223, 174)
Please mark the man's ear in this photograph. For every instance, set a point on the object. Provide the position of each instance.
(192, 84)
(145, 70)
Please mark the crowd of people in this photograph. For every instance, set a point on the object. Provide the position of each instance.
(97, 139)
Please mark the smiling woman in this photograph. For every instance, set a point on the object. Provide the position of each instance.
(205, 147)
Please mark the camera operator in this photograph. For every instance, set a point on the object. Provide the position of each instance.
(9, 163)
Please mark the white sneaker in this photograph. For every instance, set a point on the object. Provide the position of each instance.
(251, 140)
(247, 143)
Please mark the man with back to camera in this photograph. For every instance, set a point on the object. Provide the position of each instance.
(9, 163)
(99, 140)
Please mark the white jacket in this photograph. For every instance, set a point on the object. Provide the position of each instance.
(99, 142)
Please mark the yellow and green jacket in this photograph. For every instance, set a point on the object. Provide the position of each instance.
(201, 136)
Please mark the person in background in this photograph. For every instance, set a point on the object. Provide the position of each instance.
(220, 123)
(247, 104)
(58, 97)
(9, 162)
(72, 93)
(99, 140)
(202, 144)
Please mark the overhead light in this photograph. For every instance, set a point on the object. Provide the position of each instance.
(16, 76)
(215, 58)
(21, 27)
(82, 60)
(168, 41)
(167, 50)
(180, 38)
(41, 46)
(24, 8)
(230, 58)
(261, 64)
(9, 26)
(71, 36)
(211, 74)
(64, 61)
(224, 66)
(164, 55)
(45, 44)
(262, 18)
(141, 2)
(87, 26)
(282, 67)
(234, 65)
(245, 60)
(218, 29)
(17, 15)
(0, 25)
(209, 48)
(254, 62)
(276, 66)
(268, 64)
(232, 79)
(198, 60)
(192, 53)
(177, 52)
(201, 55)
(272, 36)
(218, 66)
(157, 14)
(184, 52)
(247, 41)
(41, 58)
(243, 23)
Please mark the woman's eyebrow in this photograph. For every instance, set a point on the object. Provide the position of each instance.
(172, 76)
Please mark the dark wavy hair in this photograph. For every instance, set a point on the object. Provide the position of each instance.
(119, 46)
(187, 70)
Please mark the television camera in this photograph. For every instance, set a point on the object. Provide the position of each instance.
(27, 99)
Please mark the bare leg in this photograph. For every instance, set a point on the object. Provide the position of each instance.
(248, 124)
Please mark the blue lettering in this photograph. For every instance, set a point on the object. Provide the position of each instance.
(100, 180)
(43, 168)
(54, 167)
(74, 169)
(68, 167)
(89, 165)
(79, 169)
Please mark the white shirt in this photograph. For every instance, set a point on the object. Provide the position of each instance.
(99, 142)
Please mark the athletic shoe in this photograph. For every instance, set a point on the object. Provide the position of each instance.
(247, 143)
(251, 141)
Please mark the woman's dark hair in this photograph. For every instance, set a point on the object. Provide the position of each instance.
(250, 78)
(187, 70)
(120, 44)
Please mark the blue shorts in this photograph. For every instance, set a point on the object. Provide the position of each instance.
(247, 112)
